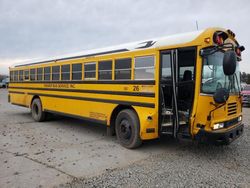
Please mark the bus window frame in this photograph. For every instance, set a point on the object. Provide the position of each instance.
(131, 68)
(40, 68)
(20, 75)
(50, 73)
(76, 72)
(64, 73)
(24, 75)
(32, 74)
(110, 70)
(154, 67)
(90, 63)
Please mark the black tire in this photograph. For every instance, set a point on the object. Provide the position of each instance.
(36, 110)
(127, 128)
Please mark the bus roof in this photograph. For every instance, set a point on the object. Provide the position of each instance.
(139, 45)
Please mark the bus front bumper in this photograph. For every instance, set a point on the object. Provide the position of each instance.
(225, 137)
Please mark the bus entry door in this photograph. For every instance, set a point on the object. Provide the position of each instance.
(168, 93)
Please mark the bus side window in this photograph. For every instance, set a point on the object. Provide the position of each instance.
(55, 72)
(65, 72)
(15, 75)
(123, 69)
(46, 73)
(39, 74)
(26, 75)
(144, 68)
(32, 74)
(77, 71)
(105, 70)
(20, 75)
(90, 71)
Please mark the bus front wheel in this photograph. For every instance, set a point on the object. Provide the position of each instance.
(36, 110)
(127, 129)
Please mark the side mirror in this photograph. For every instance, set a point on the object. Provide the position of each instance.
(229, 62)
(221, 95)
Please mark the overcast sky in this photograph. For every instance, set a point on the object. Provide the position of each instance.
(42, 28)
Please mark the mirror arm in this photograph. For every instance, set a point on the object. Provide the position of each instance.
(217, 107)
(209, 51)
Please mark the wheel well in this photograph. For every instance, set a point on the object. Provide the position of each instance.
(33, 98)
(114, 115)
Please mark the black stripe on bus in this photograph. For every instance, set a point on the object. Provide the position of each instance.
(18, 92)
(77, 117)
(138, 94)
(149, 105)
(132, 82)
(75, 57)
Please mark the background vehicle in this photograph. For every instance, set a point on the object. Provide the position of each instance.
(246, 95)
(144, 89)
(5, 82)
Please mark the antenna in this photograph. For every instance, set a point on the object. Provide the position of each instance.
(197, 26)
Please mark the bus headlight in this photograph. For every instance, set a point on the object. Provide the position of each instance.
(239, 118)
(218, 126)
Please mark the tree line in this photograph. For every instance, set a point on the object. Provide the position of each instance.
(245, 77)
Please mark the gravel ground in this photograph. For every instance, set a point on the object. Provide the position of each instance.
(184, 164)
(65, 152)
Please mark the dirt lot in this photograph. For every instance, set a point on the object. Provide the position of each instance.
(65, 152)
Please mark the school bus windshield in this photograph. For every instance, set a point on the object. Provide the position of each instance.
(214, 78)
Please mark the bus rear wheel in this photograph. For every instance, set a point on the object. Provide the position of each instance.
(36, 110)
(127, 129)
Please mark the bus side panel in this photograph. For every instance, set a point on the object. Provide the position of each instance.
(85, 109)
(101, 112)
(148, 122)
(18, 99)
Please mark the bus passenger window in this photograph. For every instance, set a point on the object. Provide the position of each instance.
(32, 74)
(46, 73)
(144, 68)
(105, 70)
(39, 74)
(26, 75)
(123, 69)
(65, 72)
(90, 70)
(15, 75)
(55, 72)
(77, 71)
(21, 75)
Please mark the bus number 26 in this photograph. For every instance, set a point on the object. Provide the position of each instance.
(135, 88)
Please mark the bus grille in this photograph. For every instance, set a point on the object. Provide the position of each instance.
(231, 108)
(231, 122)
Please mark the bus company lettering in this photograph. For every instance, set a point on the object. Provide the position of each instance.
(97, 115)
(60, 85)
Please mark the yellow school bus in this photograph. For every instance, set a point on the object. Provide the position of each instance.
(185, 85)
